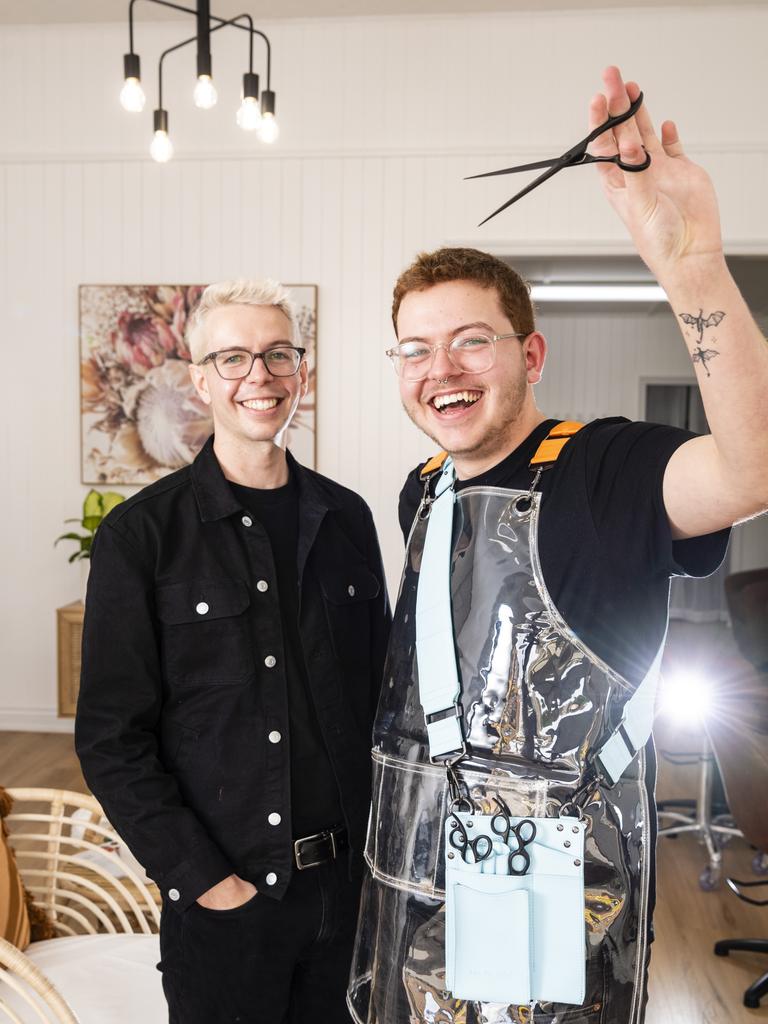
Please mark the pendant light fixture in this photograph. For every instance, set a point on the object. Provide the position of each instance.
(252, 115)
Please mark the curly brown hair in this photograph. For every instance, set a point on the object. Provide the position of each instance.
(457, 264)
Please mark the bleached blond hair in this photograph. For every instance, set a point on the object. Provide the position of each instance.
(242, 292)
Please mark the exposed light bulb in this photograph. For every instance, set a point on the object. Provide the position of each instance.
(161, 148)
(132, 96)
(248, 114)
(205, 92)
(269, 128)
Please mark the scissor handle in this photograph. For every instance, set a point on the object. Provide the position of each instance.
(522, 852)
(504, 822)
(520, 828)
(458, 837)
(588, 158)
(480, 848)
(487, 847)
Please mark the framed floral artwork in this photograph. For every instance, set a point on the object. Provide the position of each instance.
(140, 416)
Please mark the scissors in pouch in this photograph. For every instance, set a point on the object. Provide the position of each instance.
(524, 832)
(574, 157)
(472, 851)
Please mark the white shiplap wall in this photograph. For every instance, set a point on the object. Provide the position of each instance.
(381, 119)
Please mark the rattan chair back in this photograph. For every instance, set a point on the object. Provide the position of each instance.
(67, 854)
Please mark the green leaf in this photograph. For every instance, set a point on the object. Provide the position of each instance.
(93, 506)
(68, 536)
(111, 499)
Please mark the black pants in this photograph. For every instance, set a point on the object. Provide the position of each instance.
(266, 962)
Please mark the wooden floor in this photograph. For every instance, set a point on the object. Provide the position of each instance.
(689, 985)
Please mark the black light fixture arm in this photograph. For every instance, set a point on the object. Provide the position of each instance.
(221, 23)
(163, 3)
(193, 39)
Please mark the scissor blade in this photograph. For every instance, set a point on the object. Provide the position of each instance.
(537, 166)
(523, 192)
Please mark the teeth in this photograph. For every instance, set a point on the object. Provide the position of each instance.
(261, 404)
(457, 396)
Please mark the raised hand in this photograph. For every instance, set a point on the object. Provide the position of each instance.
(670, 209)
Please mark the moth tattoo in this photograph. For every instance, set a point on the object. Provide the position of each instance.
(703, 355)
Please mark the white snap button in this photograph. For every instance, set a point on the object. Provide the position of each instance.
(174, 894)
(275, 737)
(351, 590)
(274, 818)
(202, 608)
(246, 521)
(270, 661)
(262, 586)
(271, 878)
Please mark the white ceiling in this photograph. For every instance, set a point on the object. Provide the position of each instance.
(67, 11)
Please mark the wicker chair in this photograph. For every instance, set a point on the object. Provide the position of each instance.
(102, 910)
(68, 854)
(32, 991)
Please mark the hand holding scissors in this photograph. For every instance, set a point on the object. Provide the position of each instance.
(574, 157)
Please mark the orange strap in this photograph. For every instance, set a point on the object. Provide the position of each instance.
(434, 463)
(546, 454)
(550, 448)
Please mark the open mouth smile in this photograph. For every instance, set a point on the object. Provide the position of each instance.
(260, 404)
(454, 401)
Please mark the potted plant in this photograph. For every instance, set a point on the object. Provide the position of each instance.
(95, 506)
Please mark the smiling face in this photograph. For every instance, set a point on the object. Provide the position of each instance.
(478, 418)
(257, 408)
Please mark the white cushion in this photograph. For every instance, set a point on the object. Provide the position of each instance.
(106, 979)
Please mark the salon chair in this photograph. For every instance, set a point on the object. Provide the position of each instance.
(738, 732)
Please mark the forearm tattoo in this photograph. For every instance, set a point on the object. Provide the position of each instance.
(703, 355)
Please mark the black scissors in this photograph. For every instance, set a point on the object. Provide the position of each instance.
(574, 157)
(524, 832)
(480, 848)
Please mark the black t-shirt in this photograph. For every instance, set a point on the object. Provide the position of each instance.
(315, 802)
(605, 544)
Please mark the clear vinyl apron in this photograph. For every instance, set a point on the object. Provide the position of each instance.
(537, 705)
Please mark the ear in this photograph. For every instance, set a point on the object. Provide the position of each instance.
(200, 382)
(304, 376)
(534, 353)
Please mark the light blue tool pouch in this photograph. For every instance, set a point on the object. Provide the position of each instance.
(516, 938)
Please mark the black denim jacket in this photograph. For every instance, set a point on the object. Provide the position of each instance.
(182, 723)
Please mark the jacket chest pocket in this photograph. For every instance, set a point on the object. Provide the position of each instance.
(205, 632)
(348, 596)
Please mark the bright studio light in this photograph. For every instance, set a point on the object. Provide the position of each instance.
(269, 130)
(205, 94)
(161, 148)
(132, 96)
(686, 696)
(249, 114)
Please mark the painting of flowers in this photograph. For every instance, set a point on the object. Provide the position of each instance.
(140, 416)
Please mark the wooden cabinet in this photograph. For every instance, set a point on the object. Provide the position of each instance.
(69, 630)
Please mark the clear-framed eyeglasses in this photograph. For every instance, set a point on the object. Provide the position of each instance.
(472, 353)
(234, 363)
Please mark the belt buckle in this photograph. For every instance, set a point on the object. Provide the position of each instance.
(313, 864)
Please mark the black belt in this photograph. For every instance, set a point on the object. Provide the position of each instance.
(320, 848)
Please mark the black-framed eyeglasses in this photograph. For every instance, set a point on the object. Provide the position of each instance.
(234, 363)
(472, 353)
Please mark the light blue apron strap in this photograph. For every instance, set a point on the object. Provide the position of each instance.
(635, 728)
(439, 686)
